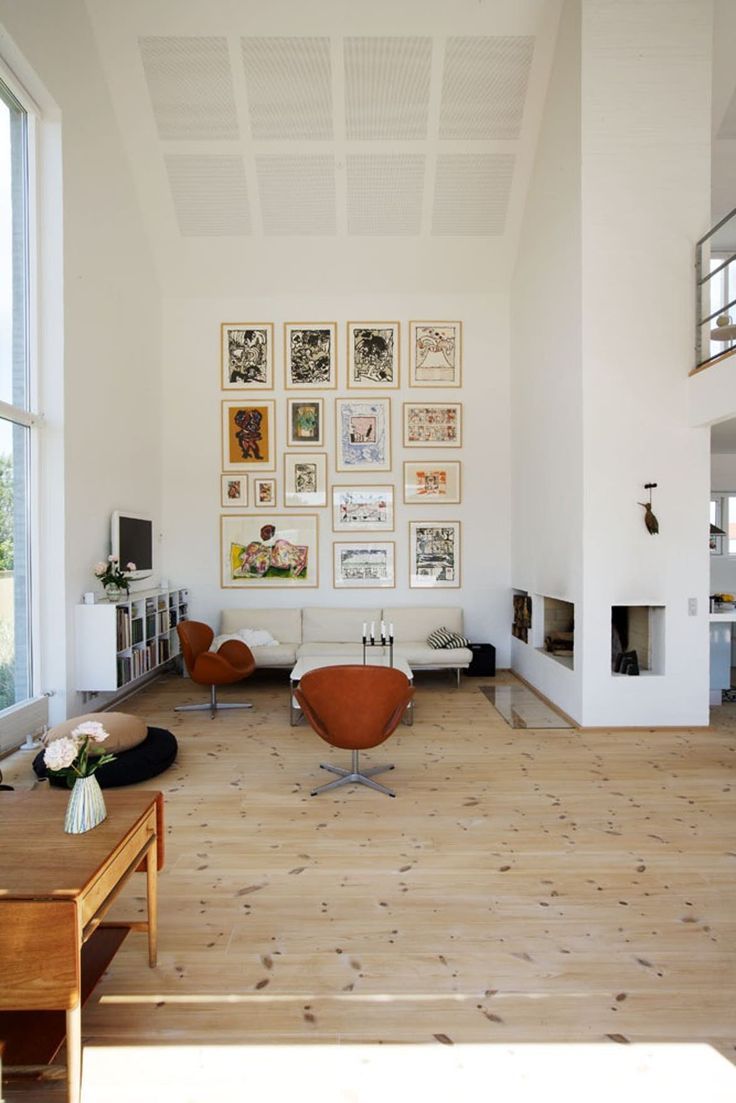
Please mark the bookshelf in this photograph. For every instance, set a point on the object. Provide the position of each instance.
(118, 642)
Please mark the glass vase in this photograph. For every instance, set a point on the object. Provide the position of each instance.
(86, 807)
(113, 593)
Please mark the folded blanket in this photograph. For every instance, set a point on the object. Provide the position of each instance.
(253, 637)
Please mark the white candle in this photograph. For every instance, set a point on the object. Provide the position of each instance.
(383, 630)
(365, 630)
(390, 631)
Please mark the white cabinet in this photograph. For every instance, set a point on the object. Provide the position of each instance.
(118, 642)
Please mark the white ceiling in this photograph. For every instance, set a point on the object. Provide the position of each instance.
(333, 144)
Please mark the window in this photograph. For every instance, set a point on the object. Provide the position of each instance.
(723, 516)
(16, 418)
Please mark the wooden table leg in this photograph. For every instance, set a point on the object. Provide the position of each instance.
(152, 900)
(74, 1053)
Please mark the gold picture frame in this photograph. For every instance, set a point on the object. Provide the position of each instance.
(264, 493)
(435, 354)
(362, 508)
(373, 356)
(233, 491)
(246, 356)
(269, 551)
(248, 434)
(305, 423)
(432, 482)
(433, 425)
(364, 564)
(363, 434)
(310, 356)
(434, 555)
(305, 480)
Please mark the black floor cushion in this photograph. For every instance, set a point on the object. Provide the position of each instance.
(151, 757)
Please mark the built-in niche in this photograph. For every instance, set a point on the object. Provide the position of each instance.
(559, 630)
(637, 639)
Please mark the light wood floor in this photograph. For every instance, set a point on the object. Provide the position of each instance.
(524, 886)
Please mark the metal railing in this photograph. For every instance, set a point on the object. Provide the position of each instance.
(715, 293)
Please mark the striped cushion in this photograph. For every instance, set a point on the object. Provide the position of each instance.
(441, 637)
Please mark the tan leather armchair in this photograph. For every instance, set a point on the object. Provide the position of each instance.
(231, 663)
(355, 708)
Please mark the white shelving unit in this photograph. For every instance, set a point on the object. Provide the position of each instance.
(118, 642)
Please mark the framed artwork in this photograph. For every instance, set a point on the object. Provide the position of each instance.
(362, 508)
(264, 493)
(305, 422)
(522, 617)
(269, 550)
(433, 424)
(435, 354)
(246, 353)
(310, 355)
(305, 479)
(233, 490)
(365, 565)
(373, 355)
(432, 482)
(434, 554)
(363, 434)
(248, 435)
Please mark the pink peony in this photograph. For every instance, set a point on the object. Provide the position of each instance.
(60, 754)
(90, 728)
(130, 567)
(112, 558)
(100, 568)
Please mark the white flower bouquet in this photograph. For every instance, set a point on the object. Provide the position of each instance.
(79, 754)
(111, 573)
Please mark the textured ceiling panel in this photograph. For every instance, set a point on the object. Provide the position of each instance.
(471, 194)
(484, 86)
(297, 194)
(387, 87)
(289, 83)
(384, 194)
(190, 85)
(210, 194)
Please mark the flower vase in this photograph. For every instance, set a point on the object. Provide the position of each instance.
(86, 807)
(113, 593)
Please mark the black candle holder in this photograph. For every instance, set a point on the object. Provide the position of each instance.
(370, 641)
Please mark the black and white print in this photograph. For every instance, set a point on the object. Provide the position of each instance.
(373, 354)
(310, 355)
(364, 565)
(305, 479)
(247, 355)
(434, 554)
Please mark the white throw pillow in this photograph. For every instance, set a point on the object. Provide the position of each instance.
(253, 637)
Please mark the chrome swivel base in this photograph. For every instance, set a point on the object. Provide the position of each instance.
(213, 705)
(355, 776)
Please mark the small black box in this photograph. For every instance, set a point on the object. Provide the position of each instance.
(483, 664)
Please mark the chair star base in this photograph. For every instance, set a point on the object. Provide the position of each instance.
(354, 776)
(213, 706)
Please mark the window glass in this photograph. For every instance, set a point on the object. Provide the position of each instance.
(15, 665)
(13, 252)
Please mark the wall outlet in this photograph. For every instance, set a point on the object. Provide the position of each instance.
(692, 607)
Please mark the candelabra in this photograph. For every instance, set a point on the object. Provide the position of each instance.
(369, 640)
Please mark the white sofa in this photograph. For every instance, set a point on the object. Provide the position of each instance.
(326, 631)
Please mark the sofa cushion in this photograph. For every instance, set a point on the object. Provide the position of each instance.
(124, 731)
(441, 638)
(336, 649)
(420, 654)
(285, 625)
(416, 622)
(283, 654)
(338, 625)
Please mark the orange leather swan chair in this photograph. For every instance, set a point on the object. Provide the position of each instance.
(231, 663)
(354, 707)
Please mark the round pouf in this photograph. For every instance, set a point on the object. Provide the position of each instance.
(151, 757)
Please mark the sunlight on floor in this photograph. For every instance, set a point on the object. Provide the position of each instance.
(364, 1074)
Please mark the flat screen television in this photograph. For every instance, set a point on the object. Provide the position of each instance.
(132, 539)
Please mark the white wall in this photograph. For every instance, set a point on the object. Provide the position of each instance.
(546, 437)
(191, 449)
(110, 412)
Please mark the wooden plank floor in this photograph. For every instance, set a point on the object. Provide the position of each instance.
(523, 887)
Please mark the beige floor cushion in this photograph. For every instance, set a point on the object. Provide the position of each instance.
(124, 731)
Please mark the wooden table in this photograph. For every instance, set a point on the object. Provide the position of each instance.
(54, 892)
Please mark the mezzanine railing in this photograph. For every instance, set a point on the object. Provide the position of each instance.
(715, 294)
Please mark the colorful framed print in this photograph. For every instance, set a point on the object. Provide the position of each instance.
(246, 353)
(373, 355)
(433, 424)
(363, 434)
(310, 355)
(432, 482)
(248, 435)
(270, 550)
(435, 354)
(362, 508)
(305, 479)
(305, 422)
(264, 493)
(368, 565)
(233, 491)
(434, 554)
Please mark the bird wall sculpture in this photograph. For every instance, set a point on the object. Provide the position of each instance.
(650, 519)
